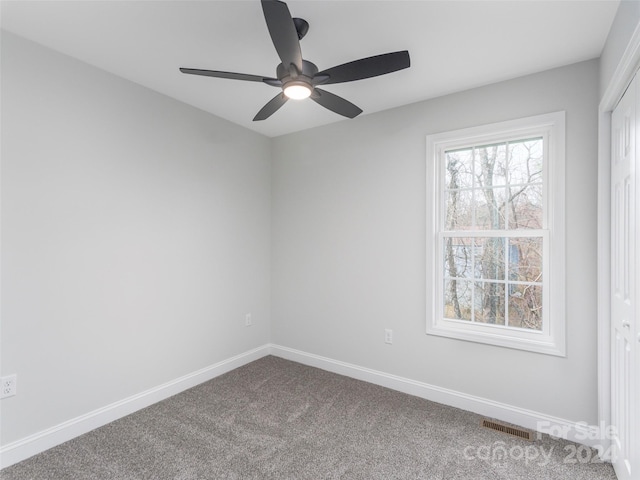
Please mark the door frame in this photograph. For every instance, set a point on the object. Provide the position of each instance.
(622, 77)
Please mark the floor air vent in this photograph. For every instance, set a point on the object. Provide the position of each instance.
(515, 431)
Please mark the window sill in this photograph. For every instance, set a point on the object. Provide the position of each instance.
(532, 341)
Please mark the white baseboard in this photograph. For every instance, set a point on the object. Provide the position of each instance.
(26, 447)
(578, 432)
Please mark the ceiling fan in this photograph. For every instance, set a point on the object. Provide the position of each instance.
(299, 78)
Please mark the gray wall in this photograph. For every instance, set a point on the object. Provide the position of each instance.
(348, 245)
(624, 24)
(135, 236)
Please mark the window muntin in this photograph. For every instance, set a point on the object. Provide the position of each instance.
(496, 192)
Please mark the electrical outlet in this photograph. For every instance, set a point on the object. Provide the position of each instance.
(247, 320)
(388, 336)
(8, 386)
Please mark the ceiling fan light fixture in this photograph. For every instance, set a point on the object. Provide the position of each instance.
(297, 91)
(299, 78)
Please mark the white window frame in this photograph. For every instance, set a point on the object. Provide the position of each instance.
(551, 339)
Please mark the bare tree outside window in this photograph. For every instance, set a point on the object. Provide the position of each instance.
(492, 251)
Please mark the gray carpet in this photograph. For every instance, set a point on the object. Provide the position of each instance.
(276, 419)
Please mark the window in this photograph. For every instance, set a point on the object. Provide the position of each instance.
(496, 250)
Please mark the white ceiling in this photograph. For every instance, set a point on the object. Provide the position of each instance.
(454, 46)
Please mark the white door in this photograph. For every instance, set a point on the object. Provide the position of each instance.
(625, 361)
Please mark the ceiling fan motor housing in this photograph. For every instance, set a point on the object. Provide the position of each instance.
(291, 76)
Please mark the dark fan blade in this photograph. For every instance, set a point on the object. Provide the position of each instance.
(231, 75)
(283, 32)
(271, 107)
(335, 103)
(367, 67)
